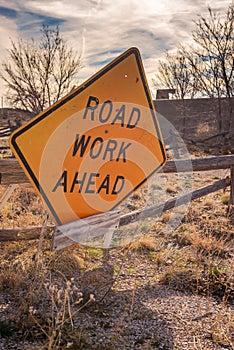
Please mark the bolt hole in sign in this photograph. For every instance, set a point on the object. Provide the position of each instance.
(92, 149)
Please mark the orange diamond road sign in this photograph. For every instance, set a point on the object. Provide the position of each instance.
(89, 151)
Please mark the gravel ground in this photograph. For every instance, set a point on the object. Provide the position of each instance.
(138, 312)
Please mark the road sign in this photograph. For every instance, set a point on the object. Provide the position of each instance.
(89, 151)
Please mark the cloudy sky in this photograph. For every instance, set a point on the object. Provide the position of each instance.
(102, 29)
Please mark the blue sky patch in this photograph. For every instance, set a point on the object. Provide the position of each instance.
(7, 12)
(32, 18)
(101, 62)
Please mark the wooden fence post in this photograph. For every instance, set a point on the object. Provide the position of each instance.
(7, 195)
(231, 200)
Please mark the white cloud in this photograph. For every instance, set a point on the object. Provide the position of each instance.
(102, 28)
(8, 30)
(64, 9)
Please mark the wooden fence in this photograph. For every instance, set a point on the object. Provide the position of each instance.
(5, 131)
(11, 175)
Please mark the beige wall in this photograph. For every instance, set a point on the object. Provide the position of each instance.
(197, 119)
(194, 119)
(14, 116)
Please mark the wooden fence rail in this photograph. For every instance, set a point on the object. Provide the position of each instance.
(11, 173)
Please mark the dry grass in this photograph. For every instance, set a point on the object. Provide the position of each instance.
(172, 189)
(225, 199)
(204, 259)
(16, 211)
(222, 330)
(46, 296)
(145, 244)
(209, 244)
(11, 280)
(165, 217)
(196, 258)
(180, 278)
(209, 203)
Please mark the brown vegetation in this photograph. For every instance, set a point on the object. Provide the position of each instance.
(169, 290)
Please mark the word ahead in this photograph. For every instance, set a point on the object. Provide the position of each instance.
(86, 183)
(88, 152)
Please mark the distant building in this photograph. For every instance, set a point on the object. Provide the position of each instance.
(163, 94)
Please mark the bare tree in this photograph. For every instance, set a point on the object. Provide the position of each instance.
(39, 74)
(174, 73)
(205, 68)
(214, 46)
(214, 38)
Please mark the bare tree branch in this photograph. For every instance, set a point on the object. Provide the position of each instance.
(39, 74)
(205, 68)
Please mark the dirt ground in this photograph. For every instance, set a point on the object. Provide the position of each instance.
(171, 289)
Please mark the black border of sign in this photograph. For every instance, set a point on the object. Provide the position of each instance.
(86, 84)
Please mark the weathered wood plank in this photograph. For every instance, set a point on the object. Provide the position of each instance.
(199, 164)
(21, 234)
(172, 203)
(11, 172)
(97, 225)
(13, 178)
(86, 230)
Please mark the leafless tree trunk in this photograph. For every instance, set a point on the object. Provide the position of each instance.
(174, 73)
